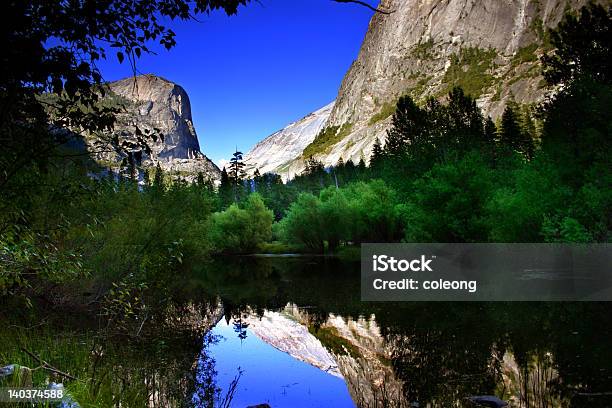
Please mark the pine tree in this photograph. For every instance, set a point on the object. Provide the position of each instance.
(527, 123)
(158, 179)
(582, 47)
(225, 181)
(408, 123)
(225, 188)
(490, 131)
(509, 132)
(512, 135)
(465, 127)
(490, 140)
(362, 164)
(377, 153)
(313, 167)
(200, 181)
(314, 173)
(361, 167)
(237, 174)
(576, 121)
(433, 130)
(256, 180)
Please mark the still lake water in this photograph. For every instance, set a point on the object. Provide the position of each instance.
(292, 332)
(302, 338)
(271, 375)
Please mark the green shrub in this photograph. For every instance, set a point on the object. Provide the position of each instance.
(241, 230)
(388, 109)
(448, 203)
(470, 70)
(525, 54)
(326, 139)
(302, 224)
(516, 212)
(423, 50)
(359, 212)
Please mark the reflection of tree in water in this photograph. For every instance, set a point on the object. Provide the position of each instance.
(206, 389)
(442, 367)
(151, 367)
(240, 327)
(445, 352)
(235, 314)
(568, 344)
(163, 358)
(534, 382)
(207, 394)
(533, 355)
(316, 318)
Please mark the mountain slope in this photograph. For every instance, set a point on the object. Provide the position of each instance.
(277, 152)
(490, 48)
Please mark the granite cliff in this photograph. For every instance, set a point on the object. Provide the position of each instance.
(277, 152)
(153, 103)
(490, 48)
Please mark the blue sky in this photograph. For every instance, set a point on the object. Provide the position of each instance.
(250, 75)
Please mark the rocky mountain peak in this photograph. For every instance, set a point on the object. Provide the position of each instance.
(153, 103)
(162, 104)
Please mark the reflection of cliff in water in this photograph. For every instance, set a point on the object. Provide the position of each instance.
(433, 354)
(362, 355)
(356, 351)
(352, 350)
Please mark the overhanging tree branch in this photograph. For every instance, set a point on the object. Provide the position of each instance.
(363, 3)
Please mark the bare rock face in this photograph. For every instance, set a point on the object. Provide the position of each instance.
(158, 103)
(153, 103)
(278, 153)
(490, 48)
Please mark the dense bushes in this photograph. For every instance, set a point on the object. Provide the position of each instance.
(113, 231)
(360, 212)
(374, 207)
(241, 230)
(303, 223)
(448, 203)
(145, 231)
